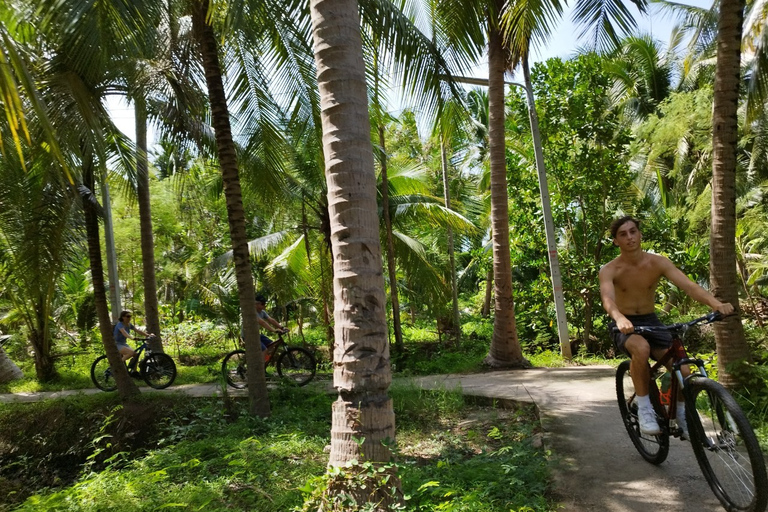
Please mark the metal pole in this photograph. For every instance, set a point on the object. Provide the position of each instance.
(109, 240)
(549, 225)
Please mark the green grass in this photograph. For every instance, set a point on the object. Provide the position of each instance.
(192, 454)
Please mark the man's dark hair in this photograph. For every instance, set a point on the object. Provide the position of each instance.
(617, 223)
(261, 298)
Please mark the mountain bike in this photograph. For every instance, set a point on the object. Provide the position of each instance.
(295, 364)
(157, 370)
(722, 439)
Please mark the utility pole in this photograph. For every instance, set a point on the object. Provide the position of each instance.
(109, 240)
(549, 225)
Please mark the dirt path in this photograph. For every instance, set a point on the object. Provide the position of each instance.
(597, 468)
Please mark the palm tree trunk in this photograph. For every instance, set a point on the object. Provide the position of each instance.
(729, 334)
(451, 256)
(126, 388)
(362, 374)
(391, 265)
(505, 348)
(151, 312)
(257, 383)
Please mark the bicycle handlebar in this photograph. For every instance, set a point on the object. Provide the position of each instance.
(713, 316)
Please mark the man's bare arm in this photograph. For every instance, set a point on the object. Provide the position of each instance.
(693, 290)
(608, 297)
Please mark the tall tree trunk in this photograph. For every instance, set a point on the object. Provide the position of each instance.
(729, 334)
(44, 367)
(151, 312)
(451, 256)
(257, 383)
(391, 265)
(361, 374)
(505, 348)
(126, 388)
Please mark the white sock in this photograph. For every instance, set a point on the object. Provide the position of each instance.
(644, 402)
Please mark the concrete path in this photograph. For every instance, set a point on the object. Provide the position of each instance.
(597, 467)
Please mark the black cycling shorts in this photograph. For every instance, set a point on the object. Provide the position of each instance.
(662, 339)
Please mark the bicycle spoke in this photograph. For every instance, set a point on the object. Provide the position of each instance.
(725, 446)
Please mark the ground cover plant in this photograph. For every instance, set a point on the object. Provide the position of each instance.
(87, 453)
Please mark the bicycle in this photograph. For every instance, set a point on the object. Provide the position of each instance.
(157, 370)
(722, 439)
(295, 364)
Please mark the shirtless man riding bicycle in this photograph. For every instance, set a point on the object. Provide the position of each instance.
(628, 292)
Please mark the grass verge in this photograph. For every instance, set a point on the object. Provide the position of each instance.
(88, 453)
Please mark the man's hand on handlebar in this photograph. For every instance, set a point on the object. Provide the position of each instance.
(625, 326)
(724, 308)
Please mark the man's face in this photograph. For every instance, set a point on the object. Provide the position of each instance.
(628, 236)
(259, 306)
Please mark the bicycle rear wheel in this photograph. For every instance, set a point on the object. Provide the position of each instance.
(233, 368)
(297, 365)
(101, 374)
(653, 448)
(158, 370)
(725, 446)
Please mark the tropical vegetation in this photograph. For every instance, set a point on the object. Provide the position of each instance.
(390, 242)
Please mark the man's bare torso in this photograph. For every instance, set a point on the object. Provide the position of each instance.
(635, 282)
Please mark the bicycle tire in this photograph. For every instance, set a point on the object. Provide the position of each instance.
(234, 369)
(158, 370)
(297, 365)
(101, 374)
(653, 448)
(725, 446)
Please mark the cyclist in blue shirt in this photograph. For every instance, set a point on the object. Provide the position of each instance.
(122, 334)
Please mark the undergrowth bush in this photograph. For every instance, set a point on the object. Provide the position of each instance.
(200, 454)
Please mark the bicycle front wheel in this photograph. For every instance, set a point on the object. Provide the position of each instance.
(297, 365)
(233, 368)
(101, 374)
(725, 446)
(653, 448)
(158, 370)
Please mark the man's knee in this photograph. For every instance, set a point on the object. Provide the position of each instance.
(637, 346)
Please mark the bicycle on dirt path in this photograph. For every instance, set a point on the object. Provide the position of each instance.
(722, 439)
(295, 364)
(158, 370)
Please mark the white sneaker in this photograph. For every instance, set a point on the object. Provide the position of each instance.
(648, 423)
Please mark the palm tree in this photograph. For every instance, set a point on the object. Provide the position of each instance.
(643, 76)
(74, 82)
(363, 410)
(729, 334)
(227, 156)
(38, 237)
